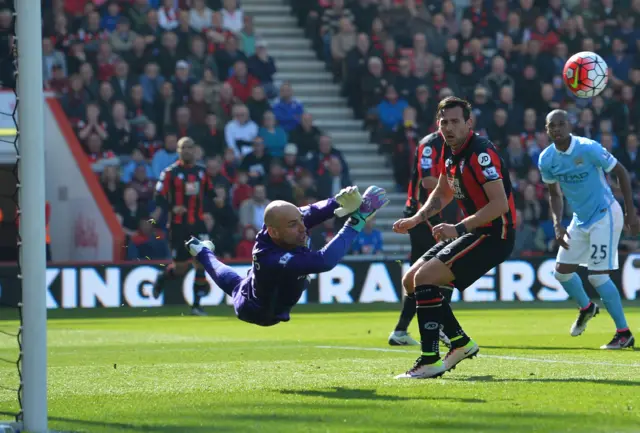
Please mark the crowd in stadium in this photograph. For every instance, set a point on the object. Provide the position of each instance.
(397, 58)
(134, 76)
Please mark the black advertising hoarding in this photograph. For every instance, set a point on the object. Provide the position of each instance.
(112, 286)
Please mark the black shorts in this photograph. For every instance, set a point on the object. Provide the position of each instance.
(471, 256)
(422, 240)
(179, 234)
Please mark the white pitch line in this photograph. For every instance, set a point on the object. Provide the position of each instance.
(507, 358)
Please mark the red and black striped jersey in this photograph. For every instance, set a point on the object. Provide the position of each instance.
(474, 165)
(426, 163)
(184, 185)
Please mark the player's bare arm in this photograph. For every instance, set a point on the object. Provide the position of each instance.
(556, 204)
(630, 215)
(430, 182)
(498, 205)
(438, 200)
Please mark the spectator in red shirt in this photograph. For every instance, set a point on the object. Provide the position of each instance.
(242, 82)
(242, 189)
(245, 246)
(542, 33)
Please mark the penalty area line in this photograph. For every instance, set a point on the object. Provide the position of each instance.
(503, 357)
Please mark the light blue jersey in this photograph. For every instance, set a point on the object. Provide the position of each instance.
(580, 171)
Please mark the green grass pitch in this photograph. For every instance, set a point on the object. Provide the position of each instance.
(329, 370)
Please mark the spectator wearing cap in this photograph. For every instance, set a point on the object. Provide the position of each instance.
(291, 164)
(242, 82)
(263, 67)
(122, 38)
(182, 82)
(273, 135)
(232, 16)
(51, 58)
(168, 15)
(287, 109)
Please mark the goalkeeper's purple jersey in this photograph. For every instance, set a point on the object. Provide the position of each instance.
(278, 277)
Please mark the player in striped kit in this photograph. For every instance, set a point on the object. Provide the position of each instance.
(424, 178)
(184, 192)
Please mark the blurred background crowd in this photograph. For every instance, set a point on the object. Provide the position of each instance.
(134, 76)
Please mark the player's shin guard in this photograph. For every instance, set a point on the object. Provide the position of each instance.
(407, 313)
(611, 298)
(200, 287)
(224, 276)
(452, 328)
(429, 311)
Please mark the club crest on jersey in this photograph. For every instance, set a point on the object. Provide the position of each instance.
(578, 161)
(484, 159)
(426, 151)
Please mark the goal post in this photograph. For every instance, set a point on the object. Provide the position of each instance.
(31, 167)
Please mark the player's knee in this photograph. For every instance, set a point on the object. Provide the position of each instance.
(407, 282)
(598, 280)
(563, 278)
(433, 272)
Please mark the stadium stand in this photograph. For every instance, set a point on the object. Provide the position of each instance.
(134, 76)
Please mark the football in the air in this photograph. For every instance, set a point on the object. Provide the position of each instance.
(586, 74)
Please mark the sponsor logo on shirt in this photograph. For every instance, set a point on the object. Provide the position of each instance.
(285, 259)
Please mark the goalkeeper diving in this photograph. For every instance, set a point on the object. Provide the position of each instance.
(282, 259)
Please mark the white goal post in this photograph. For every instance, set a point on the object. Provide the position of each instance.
(32, 217)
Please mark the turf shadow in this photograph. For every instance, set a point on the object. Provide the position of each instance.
(341, 393)
(490, 378)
